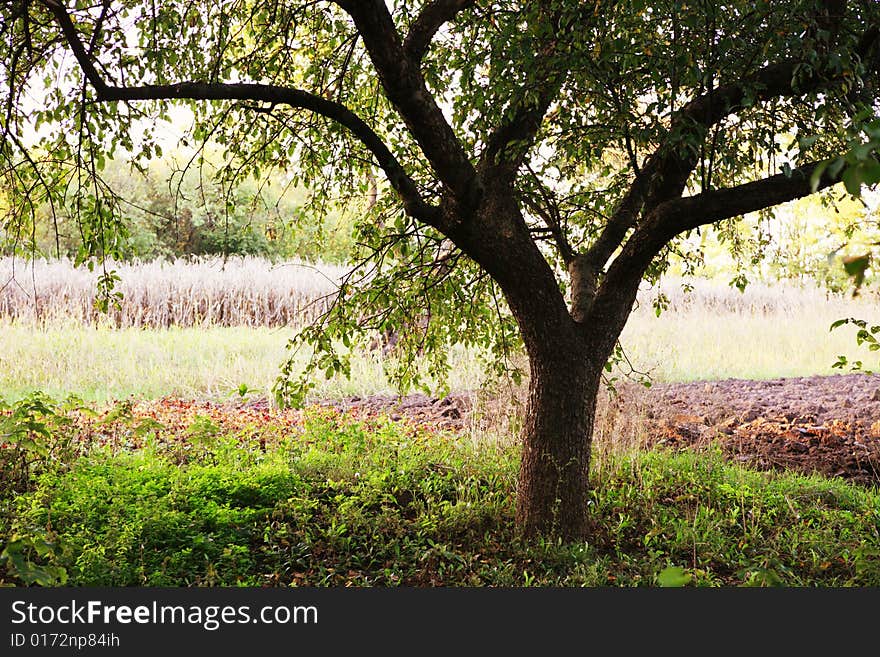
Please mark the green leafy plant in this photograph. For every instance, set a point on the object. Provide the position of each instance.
(33, 426)
(859, 166)
(378, 503)
(22, 556)
(866, 336)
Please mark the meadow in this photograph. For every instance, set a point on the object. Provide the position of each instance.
(205, 328)
(129, 486)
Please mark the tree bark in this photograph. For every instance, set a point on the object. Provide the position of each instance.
(554, 487)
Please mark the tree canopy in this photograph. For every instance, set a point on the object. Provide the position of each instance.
(522, 166)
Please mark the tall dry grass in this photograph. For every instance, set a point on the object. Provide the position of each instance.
(781, 298)
(251, 291)
(715, 332)
(159, 294)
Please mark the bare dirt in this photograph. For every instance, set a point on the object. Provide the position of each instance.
(823, 424)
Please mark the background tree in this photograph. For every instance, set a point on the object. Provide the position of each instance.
(561, 147)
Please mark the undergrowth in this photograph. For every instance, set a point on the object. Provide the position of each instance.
(344, 502)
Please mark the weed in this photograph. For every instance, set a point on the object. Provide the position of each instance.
(378, 503)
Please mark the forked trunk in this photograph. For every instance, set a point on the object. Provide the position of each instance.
(566, 355)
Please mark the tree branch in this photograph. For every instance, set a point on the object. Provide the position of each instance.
(553, 229)
(399, 179)
(428, 22)
(665, 174)
(405, 87)
(679, 215)
(683, 214)
(507, 147)
(509, 144)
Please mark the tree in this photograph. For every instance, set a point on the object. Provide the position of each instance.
(560, 147)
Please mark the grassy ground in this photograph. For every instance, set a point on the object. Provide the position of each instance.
(714, 331)
(332, 501)
(176, 338)
(189, 499)
(697, 345)
(102, 363)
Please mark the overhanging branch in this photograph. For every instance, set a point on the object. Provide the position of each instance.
(665, 174)
(690, 212)
(405, 87)
(682, 214)
(274, 95)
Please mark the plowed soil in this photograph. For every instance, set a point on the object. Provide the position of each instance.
(823, 424)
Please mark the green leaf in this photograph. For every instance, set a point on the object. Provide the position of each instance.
(816, 176)
(806, 142)
(673, 576)
(147, 425)
(855, 267)
(764, 577)
(870, 172)
(852, 180)
(835, 167)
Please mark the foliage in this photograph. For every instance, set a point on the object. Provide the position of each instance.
(171, 214)
(620, 77)
(334, 500)
(865, 336)
(35, 439)
(803, 241)
(859, 164)
(34, 432)
(19, 558)
(184, 213)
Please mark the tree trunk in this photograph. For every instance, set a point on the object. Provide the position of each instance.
(554, 489)
(566, 356)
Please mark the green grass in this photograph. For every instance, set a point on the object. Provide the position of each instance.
(346, 503)
(100, 364)
(712, 333)
(696, 345)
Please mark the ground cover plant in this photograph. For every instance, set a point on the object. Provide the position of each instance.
(188, 494)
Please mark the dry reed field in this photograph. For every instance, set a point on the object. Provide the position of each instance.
(782, 298)
(251, 291)
(160, 294)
